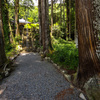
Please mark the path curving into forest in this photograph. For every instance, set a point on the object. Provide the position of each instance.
(34, 79)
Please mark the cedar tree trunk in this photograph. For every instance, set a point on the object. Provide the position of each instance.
(2, 51)
(89, 64)
(17, 17)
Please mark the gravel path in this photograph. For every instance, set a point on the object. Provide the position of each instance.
(34, 79)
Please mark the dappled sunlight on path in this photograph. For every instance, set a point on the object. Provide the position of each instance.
(34, 79)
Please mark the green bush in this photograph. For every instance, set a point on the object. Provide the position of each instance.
(65, 54)
(57, 31)
(18, 39)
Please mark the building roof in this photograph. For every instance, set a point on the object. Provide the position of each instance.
(23, 21)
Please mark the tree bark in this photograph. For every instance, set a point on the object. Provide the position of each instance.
(64, 22)
(2, 51)
(64, 12)
(69, 19)
(61, 13)
(12, 39)
(5, 20)
(89, 64)
(51, 16)
(40, 21)
(43, 24)
(17, 17)
(45, 34)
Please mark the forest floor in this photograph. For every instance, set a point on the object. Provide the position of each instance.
(34, 79)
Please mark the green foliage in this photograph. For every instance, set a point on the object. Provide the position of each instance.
(30, 19)
(65, 53)
(35, 33)
(26, 11)
(27, 26)
(57, 31)
(27, 3)
(60, 16)
(18, 39)
(32, 26)
(56, 13)
(36, 26)
(22, 12)
(5, 21)
(34, 14)
(13, 50)
(8, 47)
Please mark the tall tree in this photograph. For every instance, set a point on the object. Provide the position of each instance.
(64, 22)
(43, 24)
(47, 32)
(69, 18)
(5, 20)
(61, 12)
(40, 21)
(44, 28)
(26, 5)
(89, 64)
(51, 16)
(64, 12)
(2, 51)
(17, 17)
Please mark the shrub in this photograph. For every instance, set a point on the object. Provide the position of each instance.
(57, 31)
(65, 54)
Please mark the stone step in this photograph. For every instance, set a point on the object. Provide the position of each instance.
(98, 55)
(98, 42)
(97, 51)
(98, 47)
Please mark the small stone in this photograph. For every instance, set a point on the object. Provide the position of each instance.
(63, 71)
(0, 77)
(2, 90)
(82, 96)
(6, 73)
(55, 64)
(51, 61)
(46, 58)
(68, 77)
(71, 86)
(8, 69)
(58, 67)
(12, 58)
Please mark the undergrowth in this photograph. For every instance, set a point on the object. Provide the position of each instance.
(65, 54)
(13, 48)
